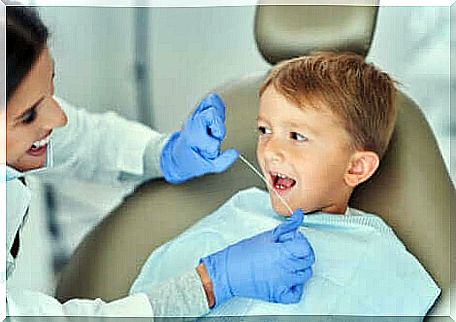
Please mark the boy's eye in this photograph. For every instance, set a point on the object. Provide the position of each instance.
(29, 116)
(298, 137)
(263, 130)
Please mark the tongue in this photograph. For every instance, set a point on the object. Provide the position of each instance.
(286, 182)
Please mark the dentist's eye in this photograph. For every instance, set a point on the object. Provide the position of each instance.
(263, 130)
(298, 137)
(29, 116)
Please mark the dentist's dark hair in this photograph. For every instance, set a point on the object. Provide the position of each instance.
(26, 36)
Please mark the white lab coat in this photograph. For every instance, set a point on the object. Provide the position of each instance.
(96, 147)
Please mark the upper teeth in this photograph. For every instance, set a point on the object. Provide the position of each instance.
(279, 175)
(42, 142)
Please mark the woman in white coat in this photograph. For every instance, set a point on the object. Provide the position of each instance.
(41, 129)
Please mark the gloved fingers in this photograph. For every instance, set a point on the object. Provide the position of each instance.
(211, 100)
(213, 123)
(301, 277)
(289, 225)
(293, 265)
(299, 247)
(205, 103)
(218, 104)
(217, 128)
(207, 145)
(209, 148)
(291, 235)
(297, 291)
(224, 161)
(292, 295)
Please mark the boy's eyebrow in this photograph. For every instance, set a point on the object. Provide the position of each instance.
(301, 125)
(290, 123)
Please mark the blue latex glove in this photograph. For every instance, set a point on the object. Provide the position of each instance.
(195, 150)
(272, 266)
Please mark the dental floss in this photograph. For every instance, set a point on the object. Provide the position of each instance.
(265, 180)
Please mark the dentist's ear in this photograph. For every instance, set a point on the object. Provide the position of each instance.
(361, 167)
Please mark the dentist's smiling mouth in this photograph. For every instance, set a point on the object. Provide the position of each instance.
(39, 147)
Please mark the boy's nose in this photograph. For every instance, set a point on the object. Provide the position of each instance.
(273, 151)
(53, 116)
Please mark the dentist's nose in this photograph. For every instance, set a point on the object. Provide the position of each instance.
(53, 116)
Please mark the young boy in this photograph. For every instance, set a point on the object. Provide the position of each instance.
(324, 122)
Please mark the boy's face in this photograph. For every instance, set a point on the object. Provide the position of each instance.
(304, 153)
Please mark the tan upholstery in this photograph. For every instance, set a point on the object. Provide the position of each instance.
(283, 32)
(411, 191)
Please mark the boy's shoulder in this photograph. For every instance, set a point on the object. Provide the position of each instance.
(375, 221)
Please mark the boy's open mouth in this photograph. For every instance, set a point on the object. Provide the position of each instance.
(281, 182)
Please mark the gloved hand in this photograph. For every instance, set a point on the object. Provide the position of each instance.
(272, 266)
(195, 150)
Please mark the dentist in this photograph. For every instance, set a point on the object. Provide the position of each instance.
(42, 129)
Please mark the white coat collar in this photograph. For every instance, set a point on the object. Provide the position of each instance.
(18, 199)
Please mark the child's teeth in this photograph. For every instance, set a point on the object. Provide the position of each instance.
(280, 175)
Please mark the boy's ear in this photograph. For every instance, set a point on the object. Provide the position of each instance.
(361, 167)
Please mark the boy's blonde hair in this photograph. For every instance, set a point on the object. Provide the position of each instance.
(359, 94)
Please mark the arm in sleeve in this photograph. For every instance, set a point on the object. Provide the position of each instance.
(29, 303)
(105, 147)
(180, 296)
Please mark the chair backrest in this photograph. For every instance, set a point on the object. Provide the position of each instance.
(411, 190)
(283, 32)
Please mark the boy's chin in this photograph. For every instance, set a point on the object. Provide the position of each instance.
(280, 208)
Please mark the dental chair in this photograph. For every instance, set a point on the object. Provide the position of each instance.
(411, 190)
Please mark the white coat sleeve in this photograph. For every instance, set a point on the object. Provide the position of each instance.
(181, 296)
(104, 147)
(29, 303)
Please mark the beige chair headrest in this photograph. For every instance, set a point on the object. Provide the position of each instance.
(284, 32)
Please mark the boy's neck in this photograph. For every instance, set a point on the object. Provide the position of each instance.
(340, 205)
(336, 209)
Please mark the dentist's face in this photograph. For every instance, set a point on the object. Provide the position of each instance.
(304, 153)
(31, 115)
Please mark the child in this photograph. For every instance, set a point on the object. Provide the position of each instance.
(324, 122)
